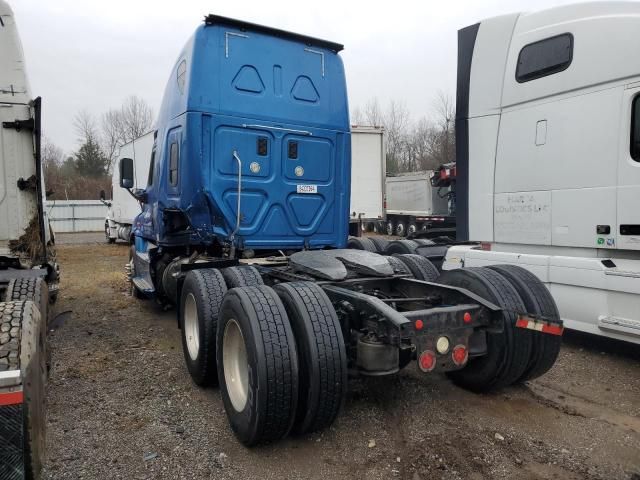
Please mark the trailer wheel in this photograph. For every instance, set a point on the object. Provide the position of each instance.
(537, 300)
(508, 352)
(380, 244)
(391, 228)
(106, 233)
(200, 300)
(322, 356)
(399, 267)
(401, 246)
(242, 276)
(362, 243)
(421, 267)
(401, 230)
(412, 229)
(23, 424)
(257, 364)
(36, 290)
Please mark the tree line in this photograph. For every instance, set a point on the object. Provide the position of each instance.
(413, 146)
(423, 144)
(81, 175)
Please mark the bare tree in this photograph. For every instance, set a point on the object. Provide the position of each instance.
(396, 122)
(52, 155)
(132, 120)
(357, 117)
(373, 113)
(137, 117)
(112, 134)
(445, 110)
(85, 126)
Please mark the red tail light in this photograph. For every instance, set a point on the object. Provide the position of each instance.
(467, 317)
(427, 361)
(459, 355)
(419, 324)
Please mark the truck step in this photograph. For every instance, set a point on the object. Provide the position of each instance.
(142, 285)
(626, 325)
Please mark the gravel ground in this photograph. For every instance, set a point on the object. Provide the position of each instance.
(122, 406)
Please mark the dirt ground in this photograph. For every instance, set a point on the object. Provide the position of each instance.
(122, 406)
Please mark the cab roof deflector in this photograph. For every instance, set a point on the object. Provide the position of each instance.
(241, 25)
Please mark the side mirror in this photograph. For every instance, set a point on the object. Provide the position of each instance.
(103, 195)
(126, 173)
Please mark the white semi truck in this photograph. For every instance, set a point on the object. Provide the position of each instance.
(122, 208)
(548, 157)
(28, 272)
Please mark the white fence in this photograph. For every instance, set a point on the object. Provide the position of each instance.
(76, 215)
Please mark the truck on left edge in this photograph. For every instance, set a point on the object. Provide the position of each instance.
(28, 270)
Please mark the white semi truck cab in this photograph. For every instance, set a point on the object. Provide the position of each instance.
(548, 156)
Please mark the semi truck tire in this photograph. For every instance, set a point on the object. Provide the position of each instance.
(23, 425)
(242, 276)
(36, 290)
(257, 364)
(322, 356)
(362, 243)
(420, 267)
(508, 352)
(399, 267)
(537, 300)
(390, 227)
(200, 300)
(401, 246)
(380, 244)
(401, 228)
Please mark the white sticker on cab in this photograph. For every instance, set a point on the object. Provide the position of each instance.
(306, 188)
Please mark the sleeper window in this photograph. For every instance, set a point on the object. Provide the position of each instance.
(151, 166)
(635, 129)
(173, 164)
(545, 57)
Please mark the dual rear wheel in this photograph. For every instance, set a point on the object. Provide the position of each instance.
(279, 352)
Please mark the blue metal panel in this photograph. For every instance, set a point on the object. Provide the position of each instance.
(253, 91)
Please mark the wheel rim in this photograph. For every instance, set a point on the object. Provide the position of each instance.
(412, 229)
(106, 231)
(191, 328)
(389, 228)
(236, 367)
(400, 229)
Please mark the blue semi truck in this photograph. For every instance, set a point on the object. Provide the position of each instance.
(244, 226)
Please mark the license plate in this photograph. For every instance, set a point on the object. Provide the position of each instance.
(306, 188)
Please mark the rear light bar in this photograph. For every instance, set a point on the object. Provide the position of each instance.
(539, 325)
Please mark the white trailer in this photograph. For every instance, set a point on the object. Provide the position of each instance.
(414, 205)
(548, 156)
(368, 171)
(123, 208)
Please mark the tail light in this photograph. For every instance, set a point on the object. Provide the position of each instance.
(467, 317)
(459, 355)
(427, 361)
(485, 246)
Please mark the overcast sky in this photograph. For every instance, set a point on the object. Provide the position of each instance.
(92, 54)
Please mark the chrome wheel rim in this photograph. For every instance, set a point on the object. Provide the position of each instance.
(191, 328)
(412, 229)
(236, 366)
(400, 229)
(389, 229)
